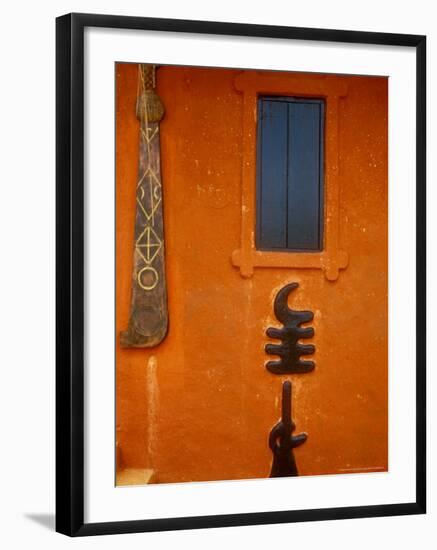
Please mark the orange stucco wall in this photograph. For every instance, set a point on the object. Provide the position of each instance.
(200, 405)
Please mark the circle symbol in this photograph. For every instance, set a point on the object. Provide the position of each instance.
(148, 278)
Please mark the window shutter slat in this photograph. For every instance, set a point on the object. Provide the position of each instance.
(304, 176)
(272, 189)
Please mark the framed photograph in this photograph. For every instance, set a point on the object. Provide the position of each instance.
(240, 274)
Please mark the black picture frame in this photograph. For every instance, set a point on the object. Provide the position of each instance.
(70, 273)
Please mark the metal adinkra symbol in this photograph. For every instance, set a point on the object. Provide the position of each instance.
(289, 350)
(281, 439)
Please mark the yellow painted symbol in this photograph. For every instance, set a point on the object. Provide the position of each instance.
(148, 244)
(148, 278)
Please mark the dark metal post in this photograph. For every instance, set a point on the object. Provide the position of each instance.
(281, 440)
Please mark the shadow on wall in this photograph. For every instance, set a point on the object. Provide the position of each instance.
(46, 520)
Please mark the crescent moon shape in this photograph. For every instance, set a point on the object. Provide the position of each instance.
(282, 311)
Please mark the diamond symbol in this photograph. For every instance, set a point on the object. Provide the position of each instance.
(148, 245)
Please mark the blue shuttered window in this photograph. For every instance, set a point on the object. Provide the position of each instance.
(290, 174)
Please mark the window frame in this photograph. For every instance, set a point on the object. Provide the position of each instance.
(333, 89)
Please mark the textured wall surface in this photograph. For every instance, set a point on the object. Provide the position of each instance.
(200, 405)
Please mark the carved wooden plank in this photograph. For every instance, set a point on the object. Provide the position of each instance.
(148, 322)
